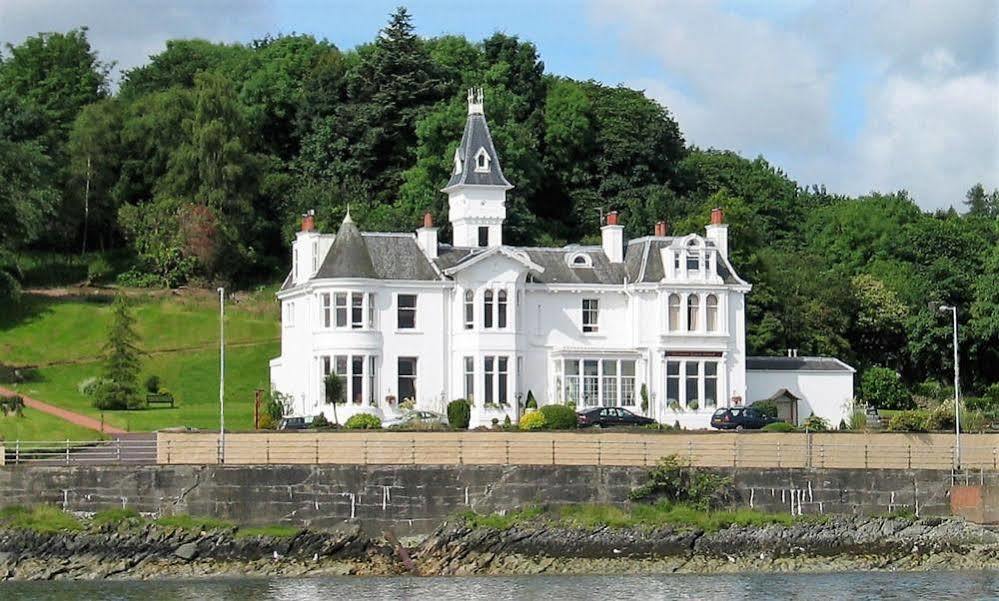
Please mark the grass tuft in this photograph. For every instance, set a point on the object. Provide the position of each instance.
(42, 518)
(193, 524)
(274, 531)
(636, 516)
(117, 518)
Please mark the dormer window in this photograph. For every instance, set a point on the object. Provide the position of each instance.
(580, 260)
(482, 161)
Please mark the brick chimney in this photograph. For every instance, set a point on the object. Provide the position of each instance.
(426, 236)
(309, 221)
(717, 231)
(660, 229)
(612, 238)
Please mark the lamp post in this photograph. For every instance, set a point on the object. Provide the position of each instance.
(221, 375)
(957, 389)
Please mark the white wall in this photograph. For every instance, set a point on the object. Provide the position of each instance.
(828, 394)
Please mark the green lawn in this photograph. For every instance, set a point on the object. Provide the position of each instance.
(36, 425)
(50, 330)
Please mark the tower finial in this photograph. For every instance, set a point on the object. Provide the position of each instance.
(475, 98)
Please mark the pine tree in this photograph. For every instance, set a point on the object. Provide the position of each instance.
(121, 361)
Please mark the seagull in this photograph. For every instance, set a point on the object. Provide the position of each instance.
(616, 551)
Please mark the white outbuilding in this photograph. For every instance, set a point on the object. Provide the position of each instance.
(802, 386)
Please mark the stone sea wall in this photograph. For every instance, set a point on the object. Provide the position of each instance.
(414, 500)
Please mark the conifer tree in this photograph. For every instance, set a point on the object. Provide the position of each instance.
(121, 361)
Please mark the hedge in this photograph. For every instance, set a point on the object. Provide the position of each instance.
(558, 417)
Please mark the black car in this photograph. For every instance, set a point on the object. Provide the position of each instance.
(293, 423)
(610, 416)
(740, 418)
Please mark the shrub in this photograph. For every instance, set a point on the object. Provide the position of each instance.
(99, 271)
(779, 427)
(941, 418)
(86, 386)
(531, 403)
(153, 384)
(768, 408)
(138, 278)
(974, 421)
(459, 413)
(12, 404)
(693, 405)
(815, 423)
(507, 422)
(858, 419)
(908, 421)
(320, 421)
(266, 422)
(644, 393)
(559, 417)
(679, 483)
(533, 421)
(882, 388)
(363, 421)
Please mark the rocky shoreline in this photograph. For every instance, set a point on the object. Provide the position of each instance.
(832, 544)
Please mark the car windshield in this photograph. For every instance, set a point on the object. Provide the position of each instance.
(721, 412)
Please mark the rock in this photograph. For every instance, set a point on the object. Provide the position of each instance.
(187, 551)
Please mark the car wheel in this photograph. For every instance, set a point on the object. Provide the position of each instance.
(739, 428)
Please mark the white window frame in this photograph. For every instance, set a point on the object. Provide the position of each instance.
(415, 309)
(468, 303)
(468, 385)
(590, 316)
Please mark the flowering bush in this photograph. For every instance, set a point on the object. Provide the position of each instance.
(533, 421)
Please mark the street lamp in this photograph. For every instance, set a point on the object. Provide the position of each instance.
(957, 389)
(221, 375)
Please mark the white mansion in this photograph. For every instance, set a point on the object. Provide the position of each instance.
(404, 316)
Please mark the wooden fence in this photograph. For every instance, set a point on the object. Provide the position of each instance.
(766, 450)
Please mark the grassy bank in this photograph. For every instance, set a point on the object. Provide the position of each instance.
(35, 425)
(48, 519)
(635, 516)
(64, 336)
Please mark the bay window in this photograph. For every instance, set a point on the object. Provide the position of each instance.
(711, 313)
(691, 380)
(603, 382)
(693, 312)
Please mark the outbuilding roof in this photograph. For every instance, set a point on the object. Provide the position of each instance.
(830, 364)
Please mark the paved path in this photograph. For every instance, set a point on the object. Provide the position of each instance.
(71, 416)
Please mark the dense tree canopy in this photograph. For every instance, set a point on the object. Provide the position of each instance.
(201, 162)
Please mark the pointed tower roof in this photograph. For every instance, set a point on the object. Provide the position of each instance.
(475, 141)
(349, 256)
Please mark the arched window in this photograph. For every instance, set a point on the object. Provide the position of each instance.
(711, 313)
(469, 309)
(693, 312)
(487, 309)
(501, 309)
(673, 312)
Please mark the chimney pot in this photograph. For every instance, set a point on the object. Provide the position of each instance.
(612, 218)
(717, 216)
(428, 219)
(309, 221)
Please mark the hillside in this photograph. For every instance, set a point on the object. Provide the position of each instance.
(63, 337)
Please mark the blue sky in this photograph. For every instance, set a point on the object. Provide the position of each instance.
(879, 94)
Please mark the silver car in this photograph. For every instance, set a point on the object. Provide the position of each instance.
(416, 416)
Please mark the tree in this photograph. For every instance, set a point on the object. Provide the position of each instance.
(95, 155)
(879, 322)
(335, 392)
(121, 361)
(981, 203)
(883, 388)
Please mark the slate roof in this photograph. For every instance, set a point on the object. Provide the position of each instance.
(797, 364)
(643, 260)
(557, 271)
(398, 257)
(477, 136)
(349, 256)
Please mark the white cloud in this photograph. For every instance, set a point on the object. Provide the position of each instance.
(929, 106)
(129, 31)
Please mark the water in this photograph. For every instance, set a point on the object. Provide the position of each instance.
(850, 586)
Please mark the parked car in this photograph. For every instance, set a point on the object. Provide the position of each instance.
(416, 416)
(610, 416)
(294, 423)
(740, 418)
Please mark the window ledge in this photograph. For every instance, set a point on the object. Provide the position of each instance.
(408, 331)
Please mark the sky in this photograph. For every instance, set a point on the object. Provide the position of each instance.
(855, 95)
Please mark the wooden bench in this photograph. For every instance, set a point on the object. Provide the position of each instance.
(161, 399)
